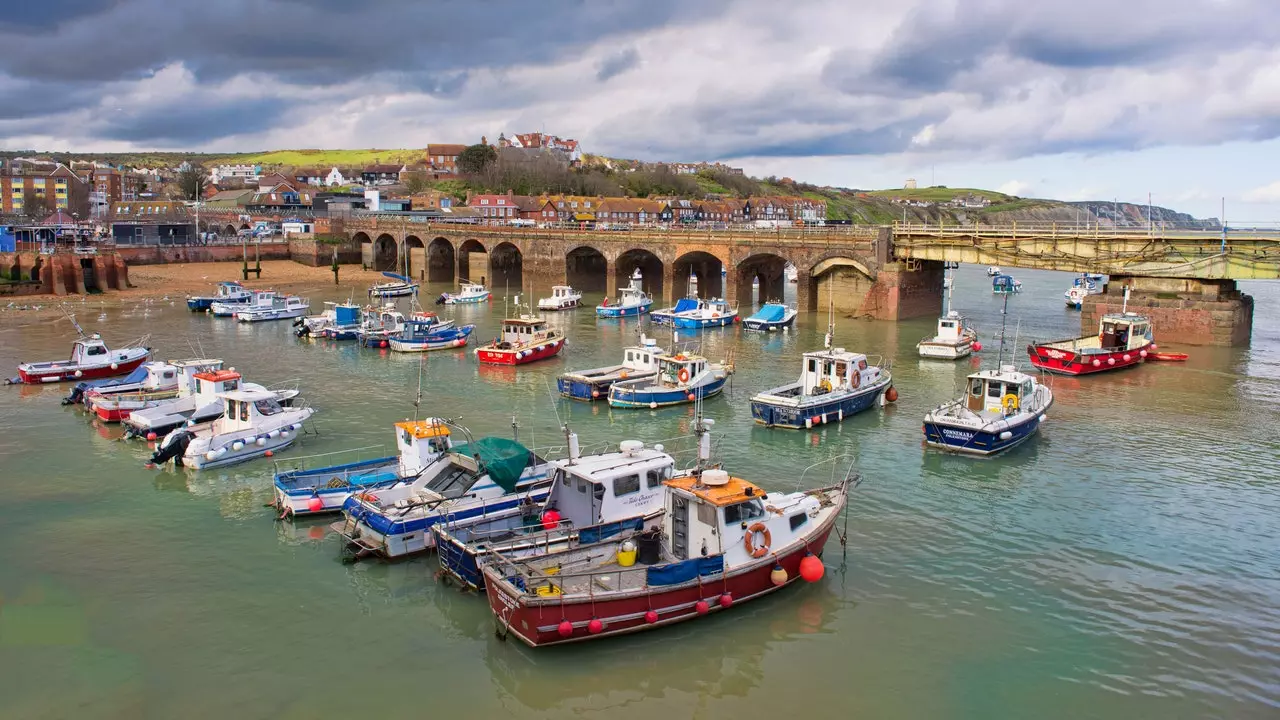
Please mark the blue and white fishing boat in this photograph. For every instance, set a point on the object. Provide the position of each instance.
(324, 489)
(681, 378)
(285, 308)
(834, 384)
(665, 316)
(485, 479)
(312, 325)
(229, 292)
(259, 299)
(998, 410)
(380, 324)
(632, 302)
(639, 362)
(1005, 285)
(593, 498)
(1083, 286)
(347, 320)
(424, 333)
(469, 294)
(400, 286)
(771, 317)
(714, 312)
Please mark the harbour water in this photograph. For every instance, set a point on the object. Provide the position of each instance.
(1123, 564)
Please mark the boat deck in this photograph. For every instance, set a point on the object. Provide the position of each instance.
(591, 570)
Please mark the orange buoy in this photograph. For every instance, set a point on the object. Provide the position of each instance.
(811, 568)
(891, 394)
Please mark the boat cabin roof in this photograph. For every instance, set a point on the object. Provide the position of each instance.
(561, 288)
(230, 283)
(735, 491)
(1006, 374)
(1125, 318)
(218, 375)
(608, 466)
(247, 395)
(682, 358)
(471, 286)
(201, 362)
(838, 354)
(428, 428)
(524, 321)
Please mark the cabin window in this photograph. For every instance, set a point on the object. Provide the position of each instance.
(813, 366)
(229, 385)
(631, 357)
(840, 369)
(975, 388)
(707, 514)
(95, 350)
(657, 475)
(743, 512)
(798, 520)
(948, 324)
(168, 375)
(1026, 389)
(626, 485)
(267, 407)
(862, 364)
(582, 486)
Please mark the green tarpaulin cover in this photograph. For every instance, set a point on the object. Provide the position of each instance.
(503, 459)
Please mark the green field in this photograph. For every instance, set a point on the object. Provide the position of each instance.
(940, 194)
(328, 158)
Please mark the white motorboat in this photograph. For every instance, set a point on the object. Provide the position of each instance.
(469, 294)
(253, 424)
(953, 339)
(562, 297)
(282, 309)
(200, 382)
(261, 299)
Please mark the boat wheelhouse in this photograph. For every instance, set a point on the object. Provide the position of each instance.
(594, 498)
(562, 297)
(90, 359)
(1084, 285)
(380, 325)
(833, 385)
(228, 292)
(347, 320)
(681, 378)
(199, 387)
(1005, 285)
(999, 409)
(253, 423)
(632, 302)
(285, 308)
(469, 294)
(523, 340)
(426, 332)
(639, 362)
(474, 481)
(1123, 340)
(400, 286)
(300, 491)
(714, 312)
(953, 339)
(771, 317)
(259, 300)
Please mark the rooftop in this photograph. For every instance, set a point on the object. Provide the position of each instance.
(431, 427)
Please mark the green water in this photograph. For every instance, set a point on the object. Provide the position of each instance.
(1123, 564)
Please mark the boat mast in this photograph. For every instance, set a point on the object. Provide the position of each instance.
(418, 400)
(949, 278)
(1004, 321)
(831, 320)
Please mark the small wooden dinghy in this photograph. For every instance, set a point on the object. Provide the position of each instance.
(1168, 356)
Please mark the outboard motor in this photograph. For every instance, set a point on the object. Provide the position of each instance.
(77, 394)
(172, 447)
(440, 300)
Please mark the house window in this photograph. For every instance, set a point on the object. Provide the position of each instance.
(626, 485)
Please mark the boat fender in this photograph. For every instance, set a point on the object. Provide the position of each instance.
(1006, 435)
(749, 540)
(1009, 403)
(684, 375)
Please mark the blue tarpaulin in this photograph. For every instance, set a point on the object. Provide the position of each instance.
(686, 304)
(7, 242)
(596, 533)
(394, 276)
(771, 312)
(346, 314)
(685, 570)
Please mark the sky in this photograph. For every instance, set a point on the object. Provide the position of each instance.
(1078, 99)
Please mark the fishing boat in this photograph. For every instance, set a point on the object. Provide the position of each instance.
(469, 294)
(632, 302)
(427, 332)
(1005, 285)
(998, 410)
(714, 312)
(993, 271)
(380, 325)
(1168, 356)
(666, 316)
(318, 490)
(347, 321)
(601, 497)
(259, 300)
(681, 378)
(400, 286)
(1083, 286)
(133, 381)
(228, 292)
(312, 325)
(524, 339)
(953, 339)
(253, 424)
(639, 362)
(90, 359)
(723, 541)
(562, 297)
(114, 404)
(771, 317)
(1124, 339)
(834, 384)
(200, 382)
(284, 308)
(477, 480)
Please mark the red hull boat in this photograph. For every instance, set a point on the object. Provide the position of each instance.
(90, 360)
(1122, 341)
(524, 340)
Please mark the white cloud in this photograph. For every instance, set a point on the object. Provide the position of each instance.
(1269, 193)
(1015, 187)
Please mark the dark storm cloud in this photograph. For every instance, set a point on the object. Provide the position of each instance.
(616, 64)
(189, 122)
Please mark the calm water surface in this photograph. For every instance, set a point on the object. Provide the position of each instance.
(1123, 564)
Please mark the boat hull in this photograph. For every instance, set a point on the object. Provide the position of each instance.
(491, 355)
(41, 373)
(620, 311)
(945, 350)
(536, 621)
(112, 409)
(665, 397)
(969, 441)
(767, 325)
(797, 417)
(296, 489)
(690, 323)
(590, 388)
(1068, 362)
(464, 299)
(557, 306)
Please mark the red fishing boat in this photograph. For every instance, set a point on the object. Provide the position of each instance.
(1123, 340)
(524, 339)
(723, 541)
(90, 360)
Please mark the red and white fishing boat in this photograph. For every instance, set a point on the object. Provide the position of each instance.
(110, 405)
(90, 359)
(723, 541)
(1123, 340)
(524, 339)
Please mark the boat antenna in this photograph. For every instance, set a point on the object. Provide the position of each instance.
(418, 400)
(1123, 307)
(1004, 320)
(831, 320)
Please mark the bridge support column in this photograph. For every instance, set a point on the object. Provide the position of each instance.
(806, 295)
(1182, 311)
(611, 279)
(900, 291)
(669, 285)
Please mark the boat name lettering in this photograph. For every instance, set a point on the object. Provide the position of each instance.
(957, 434)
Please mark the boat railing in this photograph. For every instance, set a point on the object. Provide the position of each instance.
(583, 582)
(313, 462)
(851, 475)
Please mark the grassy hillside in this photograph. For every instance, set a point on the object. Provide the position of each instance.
(299, 158)
(939, 194)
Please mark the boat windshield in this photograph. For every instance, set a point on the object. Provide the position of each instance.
(453, 482)
(268, 406)
(743, 512)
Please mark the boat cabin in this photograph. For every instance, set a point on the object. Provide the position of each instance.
(1124, 332)
(263, 298)
(243, 408)
(1004, 283)
(950, 327)
(230, 290)
(643, 357)
(714, 307)
(420, 443)
(419, 328)
(189, 372)
(472, 289)
(836, 369)
(610, 486)
(680, 369)
(345, 314)
(523, 330)
(212, 383)
(707, 514)
(632, 295)
(91, 350)
(159, 374)
(993, 391)
(562, 292)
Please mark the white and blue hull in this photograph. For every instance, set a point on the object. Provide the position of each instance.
(626, 395)
(690, 322)
(464, 299)
(812, 410)
(988, 440)
(296, 490)
(619, 311)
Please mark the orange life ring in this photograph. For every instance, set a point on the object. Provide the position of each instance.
(855, 380)
(757, 551)
(683, 374)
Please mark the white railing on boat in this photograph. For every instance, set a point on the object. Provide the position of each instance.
(312, 462)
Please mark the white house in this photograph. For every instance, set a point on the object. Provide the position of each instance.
(334, 178)
(245, 172)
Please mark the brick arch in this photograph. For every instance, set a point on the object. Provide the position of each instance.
(831, 260)
(652, 266)
(842, 279)
(707, 268)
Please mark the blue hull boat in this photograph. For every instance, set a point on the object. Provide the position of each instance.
(981, 442)
(665, 316)
(834, 384)
(837, 409)
(620, 311)
(999, 410)
(230, 293)
(639, 362)
(623, 395)
(692, 323)
(298, 487)
(771, 318)
(435, 339)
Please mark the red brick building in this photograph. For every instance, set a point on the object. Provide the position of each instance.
(39, 189)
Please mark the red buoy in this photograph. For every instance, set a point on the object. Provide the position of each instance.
(151, 436)
(811, 568)
(550, 519)
(384, 343)
(595, 626)
(651, 617)
(315, 504)
(891, 394)
(565, 628)
(691, 397)
(977, 347)
(268, 453)
(702, 607)
(726, 600)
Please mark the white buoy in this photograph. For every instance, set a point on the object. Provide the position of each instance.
(652, 405)
(79, 373)
(261, 442)
(1006, 435)
(237, 446)
(210, 455)
(808, 423)
(115, 366)
(273, 434)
